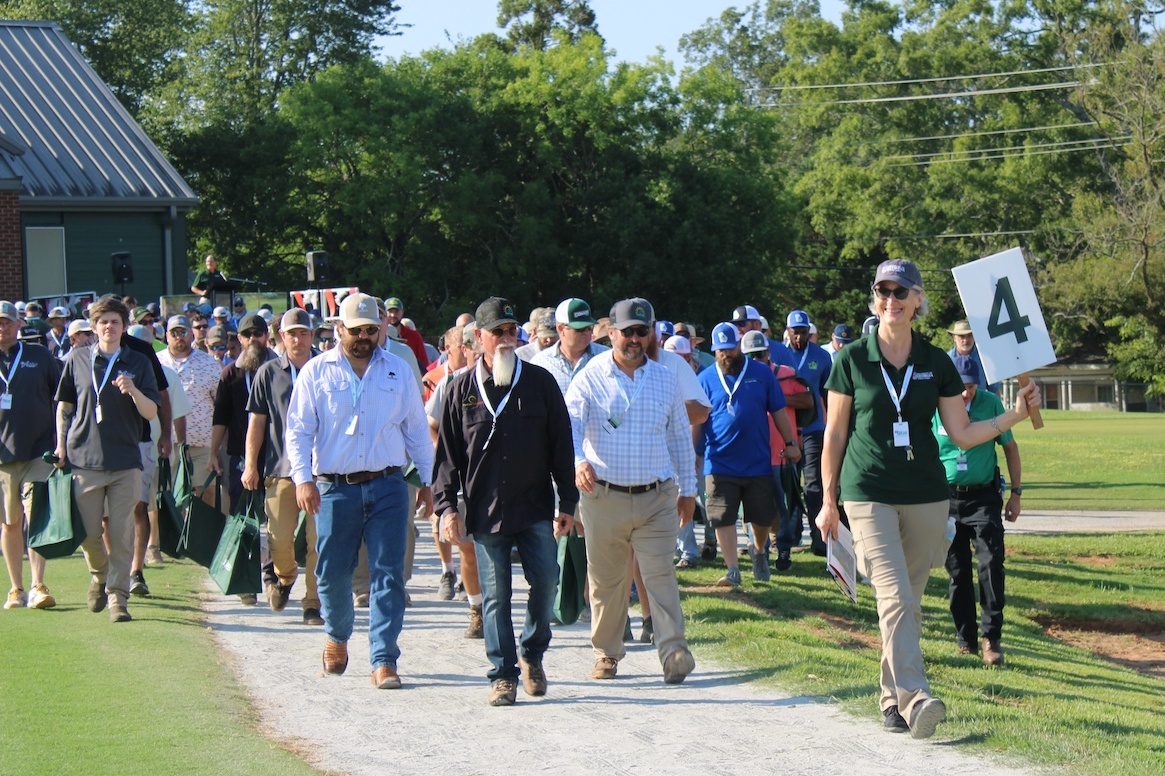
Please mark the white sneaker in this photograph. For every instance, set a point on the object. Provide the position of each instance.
(40, 598)
(17, 599)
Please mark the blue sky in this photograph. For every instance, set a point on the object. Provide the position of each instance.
(632, 27)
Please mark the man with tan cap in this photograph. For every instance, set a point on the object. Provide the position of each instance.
(965, 346)
(355, 419)
(267, 408)
(544, 335)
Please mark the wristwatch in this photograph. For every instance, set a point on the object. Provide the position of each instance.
(1017, 491)
(790, 444)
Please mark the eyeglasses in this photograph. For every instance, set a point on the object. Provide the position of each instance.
(636, 331)
(177, 332)
(203, 327)
(325, 340)
(901, 292)
(364, 331)
(249, 333)
(218, 348)
(509, 330)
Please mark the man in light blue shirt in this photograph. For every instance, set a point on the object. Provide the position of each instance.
(355, 419)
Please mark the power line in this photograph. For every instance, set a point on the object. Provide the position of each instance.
(936, 96)
(990, 157)
(937, 79)
(985, 133)
(1085, 143)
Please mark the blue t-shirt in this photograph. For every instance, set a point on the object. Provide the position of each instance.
(737, 444)
(780, 353)
(812, 365)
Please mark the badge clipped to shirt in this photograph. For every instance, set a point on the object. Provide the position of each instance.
(351, 429)
(961, 463)
(6, 401)
(97, 411)
(612, 424)
(901, 434)
(730, 410)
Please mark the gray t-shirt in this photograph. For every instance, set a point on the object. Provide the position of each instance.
(271, 396)
(27, 427)
(112, 444)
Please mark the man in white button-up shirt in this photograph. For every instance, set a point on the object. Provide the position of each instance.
(355, 420)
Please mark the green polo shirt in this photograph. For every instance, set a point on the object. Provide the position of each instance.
(981, 459)
(873, 469)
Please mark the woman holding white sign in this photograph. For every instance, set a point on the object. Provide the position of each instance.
(880, 460)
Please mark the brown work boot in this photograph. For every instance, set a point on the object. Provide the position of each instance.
(385, 678)
(335, 657)
(992, 652)
(533, 677)
(605, 668)
(476, 629)
(97, 598)
(678, 665)
(503, 692)
(118, 612)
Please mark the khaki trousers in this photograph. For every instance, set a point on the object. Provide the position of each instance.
(282, 520)
(897, 545)
(122, 490)
(616, 523)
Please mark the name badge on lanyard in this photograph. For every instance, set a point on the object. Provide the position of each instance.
(356, 386)
(901, 427)
(6, 398)
(613, 421)
(97, 389)
(735, 386)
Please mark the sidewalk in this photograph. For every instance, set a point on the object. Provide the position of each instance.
(1086, 522)
(717, 722)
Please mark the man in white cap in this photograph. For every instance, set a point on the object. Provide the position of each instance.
(964, 340)
(355, 419)
(29, 375)
(222, 317)
(268, 468)
(80, 334)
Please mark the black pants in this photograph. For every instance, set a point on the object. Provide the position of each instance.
(811, 445)
(978, 526)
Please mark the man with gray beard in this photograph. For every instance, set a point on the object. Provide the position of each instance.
(504, 439)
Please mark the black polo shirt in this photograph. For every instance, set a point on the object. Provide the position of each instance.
(27, 429)
(230, 404)
(271, 396)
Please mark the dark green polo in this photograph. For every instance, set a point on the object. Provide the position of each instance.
(873, 469)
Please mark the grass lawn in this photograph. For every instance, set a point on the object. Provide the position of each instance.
(80, 695)
(1093, 461)
(1053, 704)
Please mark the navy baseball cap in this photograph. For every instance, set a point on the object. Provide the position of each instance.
(967, 368)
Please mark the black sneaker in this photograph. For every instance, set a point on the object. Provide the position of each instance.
(445, 588)
(708, 552)
(137, 584)
(784, 560)
(893, 721)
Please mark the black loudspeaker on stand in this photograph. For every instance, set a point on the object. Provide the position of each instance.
(122, 265)
(317, 266)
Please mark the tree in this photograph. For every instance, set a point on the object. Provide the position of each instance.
(533, 23)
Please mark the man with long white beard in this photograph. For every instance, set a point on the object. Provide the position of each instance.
(505, 440)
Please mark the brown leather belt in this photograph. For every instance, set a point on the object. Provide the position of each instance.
(355, 478)
(632, 489)
(962, 489)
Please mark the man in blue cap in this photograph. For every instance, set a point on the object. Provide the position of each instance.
(977, 510)
(812, 364)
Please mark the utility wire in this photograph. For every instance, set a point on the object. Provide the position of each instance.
(991, 132)
(990, 157)
(1086, 143)
(938, 79)
(936, 96)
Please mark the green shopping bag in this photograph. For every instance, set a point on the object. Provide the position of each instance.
(204, 526)
(235, 567)
(183, 487)
(572, 578)
(171, 516)
(301, 541)
(55, 529)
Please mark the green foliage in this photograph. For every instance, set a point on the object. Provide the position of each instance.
(1139, 353)
(533, 23)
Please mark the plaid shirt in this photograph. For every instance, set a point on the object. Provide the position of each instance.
(650, 439)
(552, 360)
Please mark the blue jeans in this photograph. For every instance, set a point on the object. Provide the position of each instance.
(539, 553)
(378, 513)
(686, 542)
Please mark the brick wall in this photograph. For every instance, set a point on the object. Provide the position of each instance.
(11, 260)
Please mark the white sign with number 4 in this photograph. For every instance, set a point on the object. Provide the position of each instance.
(1004, 314)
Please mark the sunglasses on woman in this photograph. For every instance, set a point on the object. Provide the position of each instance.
(901, 292)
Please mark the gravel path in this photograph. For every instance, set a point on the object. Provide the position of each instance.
(716, 722)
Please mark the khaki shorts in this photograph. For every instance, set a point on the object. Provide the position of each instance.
(149, 451)
(16, 488)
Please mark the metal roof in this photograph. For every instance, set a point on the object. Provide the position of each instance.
(81, 147)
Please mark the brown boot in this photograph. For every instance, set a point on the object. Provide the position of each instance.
(385, 678)
(476, 629)
(605, 668)
(533, 677)
(335, 657)
(992, 652)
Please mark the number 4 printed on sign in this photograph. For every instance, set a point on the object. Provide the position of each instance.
(1016, 323)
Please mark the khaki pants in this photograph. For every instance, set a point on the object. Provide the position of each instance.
(121, 489)
(199, 464)
(616, 523)
(897, 546)
(16, 488)
(282, 520)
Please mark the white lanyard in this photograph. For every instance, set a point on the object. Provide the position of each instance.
(108, 370)
(736, 385)
(897, 398)
(480, 375)
(12, 370)
(613, 420)
(356, 386)
(804, 355)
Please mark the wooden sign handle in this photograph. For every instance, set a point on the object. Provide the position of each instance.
(1033, 412)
